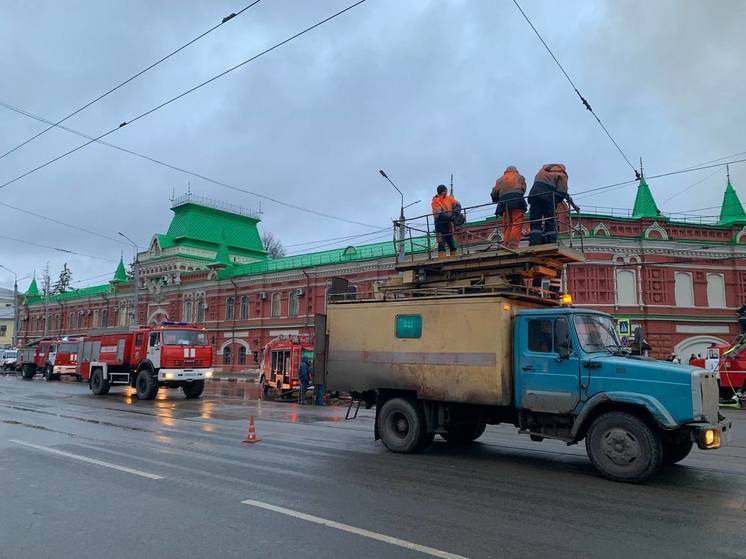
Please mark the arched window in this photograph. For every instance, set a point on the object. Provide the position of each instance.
(105, 318)
(187, 315)
(275, 310)
(684, 290)
(94, 320)
(230, 308)
(293, 302)
(200, 310)
(242, 355)
(227, 355)
(626, 288)
(244, 307)
(351, 293)
(715, 291)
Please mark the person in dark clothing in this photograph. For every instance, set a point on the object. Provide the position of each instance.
(443, 206)
(304, 377)
(548, 190)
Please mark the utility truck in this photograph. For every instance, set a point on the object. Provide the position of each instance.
(455, 344)
(172, 355)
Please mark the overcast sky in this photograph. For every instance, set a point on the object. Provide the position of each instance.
(420, 88)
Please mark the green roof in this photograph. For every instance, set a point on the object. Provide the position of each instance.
(82, 292)
(120, 276)
(731, 211)
(33, 289)
(196, 222)
(222, 258)
(645, 205)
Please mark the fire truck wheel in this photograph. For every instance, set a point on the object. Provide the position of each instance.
(28, 371)
(99, 385)
(48, 373)
(146, 386)
(193, 389)
(401, 425)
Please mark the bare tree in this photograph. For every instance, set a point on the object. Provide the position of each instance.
(273, 245)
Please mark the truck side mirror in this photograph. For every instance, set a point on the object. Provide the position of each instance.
(562, 338)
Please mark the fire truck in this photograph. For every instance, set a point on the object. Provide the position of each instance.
(52, 357)
(729, 362)
(171, 355)
(280, 361)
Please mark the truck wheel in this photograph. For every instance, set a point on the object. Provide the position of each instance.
(464, 434)
(28, 371)
(676, 447)
(146, 387)
(99, 385)
(401, 425)
(623, 448)
(193, 389)
(48, 373)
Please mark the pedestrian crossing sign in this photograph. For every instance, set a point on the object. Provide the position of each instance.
(623, 327)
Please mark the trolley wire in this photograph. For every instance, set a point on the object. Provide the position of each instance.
(583, 100)
(66, 251)
(185, 93)
(182, 170)
(225, 20)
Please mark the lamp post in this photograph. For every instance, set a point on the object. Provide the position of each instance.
(15, 305)
(400, 224)
(136, 295)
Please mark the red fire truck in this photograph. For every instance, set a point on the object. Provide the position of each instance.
(280, 361)
(172, 355)
(51, 357)
(729, 362)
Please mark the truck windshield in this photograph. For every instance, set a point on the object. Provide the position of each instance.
(69, 348)
(184, 337)
(597, 333)
(10, 354)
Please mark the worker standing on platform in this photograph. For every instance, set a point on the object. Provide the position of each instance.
(549, 189)
(508, 193)
(443, 205)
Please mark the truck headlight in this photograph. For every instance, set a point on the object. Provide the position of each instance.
(169, 376)
(711, 438)
(208, 374)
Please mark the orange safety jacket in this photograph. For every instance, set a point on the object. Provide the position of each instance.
(554, 175)
(443, 205)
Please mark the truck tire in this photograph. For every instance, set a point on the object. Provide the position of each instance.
(676, 447)
(401, 425)
(28, 371)
(99, 385)
(48, 373)
(146, 386)
(623, 448)
(464, 434)
(193, 389)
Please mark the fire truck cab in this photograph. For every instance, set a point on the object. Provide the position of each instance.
(280, 361)
(172, 355)
(729, 363)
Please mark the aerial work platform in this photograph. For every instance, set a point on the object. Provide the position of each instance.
(499, 270)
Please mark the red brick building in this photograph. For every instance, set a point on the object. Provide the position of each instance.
(679, 278)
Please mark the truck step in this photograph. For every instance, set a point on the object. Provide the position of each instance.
(119, 378)
(350, 414)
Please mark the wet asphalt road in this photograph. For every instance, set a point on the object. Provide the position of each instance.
(114, 477)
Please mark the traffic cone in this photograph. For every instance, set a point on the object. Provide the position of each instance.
(251, 437)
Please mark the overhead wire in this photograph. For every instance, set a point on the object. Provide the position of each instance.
(191, 90)
(182, 170)
(585, 102)
(66, 251)
(225, 20)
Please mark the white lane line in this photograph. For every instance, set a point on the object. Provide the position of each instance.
(86, 459)
(353, 530)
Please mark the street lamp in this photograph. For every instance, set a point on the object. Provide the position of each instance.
(136, 295)
(400, 223)
(15, 305)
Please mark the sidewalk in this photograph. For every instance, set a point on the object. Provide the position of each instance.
(245, 376)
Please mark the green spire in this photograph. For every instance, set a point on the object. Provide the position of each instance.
(222, 258)
(120, 276)
(644, 203)
(731, 211)
(33, 290)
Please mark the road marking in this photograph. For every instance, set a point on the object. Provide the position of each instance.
(86, 459)
(353, 530)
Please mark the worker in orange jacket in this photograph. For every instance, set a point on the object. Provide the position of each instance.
(508, 193)
(549, 190)
(443, 205)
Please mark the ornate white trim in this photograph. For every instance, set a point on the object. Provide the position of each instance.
(598, 229)
(655, 227)
(237, 341)
(740, 235)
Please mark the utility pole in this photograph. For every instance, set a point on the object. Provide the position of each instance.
(135, 317)
(15, 305)
(47, 286)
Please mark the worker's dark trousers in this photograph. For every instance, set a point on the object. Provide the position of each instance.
(542, 216)
(302, 393)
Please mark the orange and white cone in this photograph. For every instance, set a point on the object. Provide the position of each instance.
(251, 437)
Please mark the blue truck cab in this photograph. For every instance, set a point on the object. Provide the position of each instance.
(573, 380)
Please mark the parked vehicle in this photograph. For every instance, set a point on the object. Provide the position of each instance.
(280, 361)
(8, 359)
(443, 354)
(51, 357)
(173, 355)
(728, 362)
